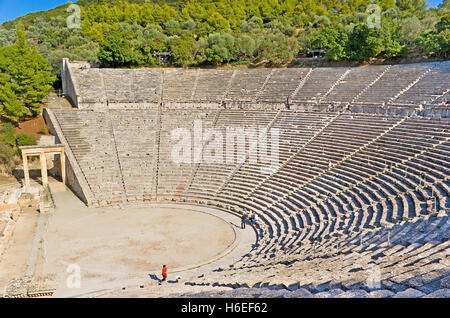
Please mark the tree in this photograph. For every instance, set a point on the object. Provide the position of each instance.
(334, 40)
(274, 48)
(412, 5)
(115, 51)
(278, 26)
(252, 25)
(392, 35)
(181, 48)
(6, 153)
(411, 29)
(246, 46)
(172, 27)
(28, 78)
(6, 37)
(445, 5)
(25, 140)
(364, 43)
(221, 48)
(321, 21)
(10, 105)
(437, 42)
(138, 23)
(218, 22)
(385, 4)
(7, 131)
(443, 24)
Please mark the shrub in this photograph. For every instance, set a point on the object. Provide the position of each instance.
(25, 140)
(6, 152)
(7, 131)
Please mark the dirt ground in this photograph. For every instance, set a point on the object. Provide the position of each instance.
(111, 244)
(7, 179)
(13, 264)
(33, 127)
(115, 247)
(134, 240)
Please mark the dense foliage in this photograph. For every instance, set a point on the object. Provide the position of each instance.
(25, 78)
(128, 33)
(10, 143)
(118, 33)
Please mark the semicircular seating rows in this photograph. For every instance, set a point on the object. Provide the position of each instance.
(356, 190)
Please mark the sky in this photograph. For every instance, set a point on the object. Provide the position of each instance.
(11, 9)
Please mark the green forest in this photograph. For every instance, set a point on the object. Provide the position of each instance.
(214, 32)
(113, 33)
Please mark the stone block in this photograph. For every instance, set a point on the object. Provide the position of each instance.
(445, 282)
(440, 293)
(382, 293)
(299, 293)
(329, 294)
(357, 293)
(409, 293)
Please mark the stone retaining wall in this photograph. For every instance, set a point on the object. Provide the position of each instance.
(75, 179)
(69, 87)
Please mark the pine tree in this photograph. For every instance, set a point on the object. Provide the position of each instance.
(28, 78)
(10, 105)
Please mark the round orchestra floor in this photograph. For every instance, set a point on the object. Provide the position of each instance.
(107, 247)
(136, 239)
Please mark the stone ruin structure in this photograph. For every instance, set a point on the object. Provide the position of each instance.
(362, 186)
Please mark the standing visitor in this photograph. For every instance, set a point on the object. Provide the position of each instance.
(164, 273)
(243, 220)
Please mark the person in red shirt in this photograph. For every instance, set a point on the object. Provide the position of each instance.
(164, 273)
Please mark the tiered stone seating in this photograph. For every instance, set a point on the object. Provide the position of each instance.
(212, 85)
(278, 195)
(383, 179)
(440, 101)
(90, 137)
(147, 85)
(281, 84)
(318, 84)
(179, 84)
(393, 82)
(209, 177)
(352, 190)
(401, 87)
(119, 85)
(90, 85)
(334, 143)
(296, 129)
(409, 256)
(354, 84)
(429, 88)
(246, 84)
(174, 176)
(135, 133)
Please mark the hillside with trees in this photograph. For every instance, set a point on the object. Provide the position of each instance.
(212, 32)
(121, 33)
